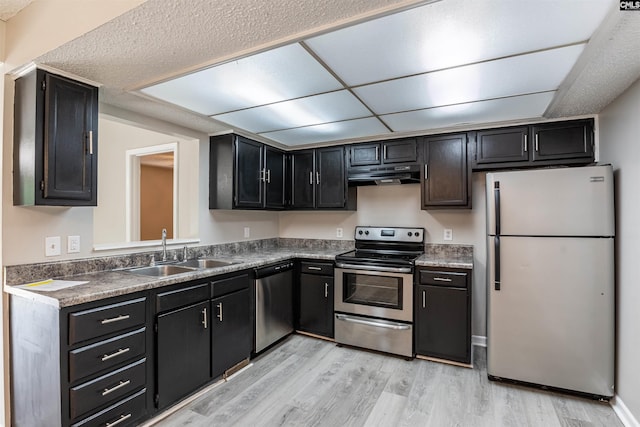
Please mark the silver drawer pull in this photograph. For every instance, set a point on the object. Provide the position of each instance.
(119, 420)
(115, 319)
(396, 326)
(117, 353)
(112, 389)
(314, 268)
(441, 279)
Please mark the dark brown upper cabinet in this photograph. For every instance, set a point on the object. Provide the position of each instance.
(446, 178)
(385, 152)
(245, 174)
(545, 144)
(55, 155)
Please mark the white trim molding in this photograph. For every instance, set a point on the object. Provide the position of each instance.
(623, 412)
(479, 340)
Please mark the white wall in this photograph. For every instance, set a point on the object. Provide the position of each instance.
(399, 205)
(620, 146)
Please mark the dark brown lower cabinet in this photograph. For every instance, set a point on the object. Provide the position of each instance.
(183, 352)
(231, 331)
(316, 304)
(443, 315)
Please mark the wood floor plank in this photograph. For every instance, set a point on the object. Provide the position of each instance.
(310, 382)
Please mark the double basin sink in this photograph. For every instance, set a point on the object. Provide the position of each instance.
(163, 270)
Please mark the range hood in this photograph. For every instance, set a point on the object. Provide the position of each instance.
(384, 175)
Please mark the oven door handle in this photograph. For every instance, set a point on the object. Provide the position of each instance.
(374, 268)
(396, 326)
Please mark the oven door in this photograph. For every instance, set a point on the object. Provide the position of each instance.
(375, 291)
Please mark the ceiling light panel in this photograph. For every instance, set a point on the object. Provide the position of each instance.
(329, 132)
(272, 76)
(451, 33)
(492, 111)
(328, 107)
(517, 75)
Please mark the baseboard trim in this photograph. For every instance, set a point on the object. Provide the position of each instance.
(479, 340)
(623, 412)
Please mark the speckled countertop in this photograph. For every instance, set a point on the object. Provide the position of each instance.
(108, 277)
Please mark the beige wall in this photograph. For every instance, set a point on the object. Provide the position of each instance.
(620, 146)
(399, 205)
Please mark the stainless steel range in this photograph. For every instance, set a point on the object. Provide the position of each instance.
(374, 289)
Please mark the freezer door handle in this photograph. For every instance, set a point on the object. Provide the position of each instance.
(496, 197)
(496, 264)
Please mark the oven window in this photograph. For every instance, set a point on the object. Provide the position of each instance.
(380, 291)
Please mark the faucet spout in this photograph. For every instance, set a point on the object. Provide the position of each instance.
(164, 245)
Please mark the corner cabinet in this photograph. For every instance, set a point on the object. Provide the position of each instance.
(55, 141)
(443, 314)
(245, 174)
(318, 180)
(545, 144)
(446, 177)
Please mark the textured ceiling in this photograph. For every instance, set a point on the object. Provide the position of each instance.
(164, 38)
(9, 8)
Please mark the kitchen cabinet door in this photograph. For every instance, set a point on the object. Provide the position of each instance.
(446, 179)
(400, 151)
(316, 304)
(55, 141)
(274, 178)
(231, 331)
(364, 154)
(302, 179)
(331, 182)
(563, 140)
(506, 145)
(183, 352)
(443, 323)
(248, 174)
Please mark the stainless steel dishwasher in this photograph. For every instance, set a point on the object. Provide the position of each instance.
(274, 304)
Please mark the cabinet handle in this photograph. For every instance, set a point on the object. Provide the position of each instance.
(536, 148)
(310, 177)
(204, 317)
(262, 175)
(424, 299)
(377, 154)
(442, 279)
(122, 418)
(317, 178)
(91, 142)
(112, 389)
(114, 354)
(115, 319)
(268, 176)
(326, 290)
(426, 171)
(220, 313)
(525, 143)
(384, 152)
(311, 267)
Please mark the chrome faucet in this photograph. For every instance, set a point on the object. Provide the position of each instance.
(164, 245)
(184, 253)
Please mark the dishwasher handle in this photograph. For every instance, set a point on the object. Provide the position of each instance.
(273, 269)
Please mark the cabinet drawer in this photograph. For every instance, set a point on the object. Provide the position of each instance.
(106, 389)
(94, 358)
(87, 324)
(228, 285)
(123, 413)
(443, 278)
(182, 297)
(317, 268)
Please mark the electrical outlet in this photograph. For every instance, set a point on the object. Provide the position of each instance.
(448, 234)
(52, 246)
(247, 232)
(73, 244)
(339, 232)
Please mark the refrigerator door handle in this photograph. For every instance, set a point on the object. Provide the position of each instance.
(496, 265)
(496, 196)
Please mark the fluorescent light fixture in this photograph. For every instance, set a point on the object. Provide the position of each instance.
(329, 132)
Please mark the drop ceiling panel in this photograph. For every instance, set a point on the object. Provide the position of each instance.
(272, 76)
(451, 33)
(328, 107)
(493, 111)
(329, 132)
(517, 75)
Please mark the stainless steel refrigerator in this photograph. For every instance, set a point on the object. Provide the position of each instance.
(550, 278)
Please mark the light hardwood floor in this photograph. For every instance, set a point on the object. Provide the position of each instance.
(311, 382)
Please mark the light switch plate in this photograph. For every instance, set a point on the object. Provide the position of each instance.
(73, 244)
(448, 234)
(52, 246)
(247, 232)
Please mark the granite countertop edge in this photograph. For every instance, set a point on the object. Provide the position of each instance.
(113, 283)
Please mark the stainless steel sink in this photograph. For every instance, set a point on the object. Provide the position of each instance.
(207, 263)
(162, 270)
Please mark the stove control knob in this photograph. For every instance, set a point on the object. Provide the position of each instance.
(409, 234)
(366, 232)
(417, 234)
(360, 232)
